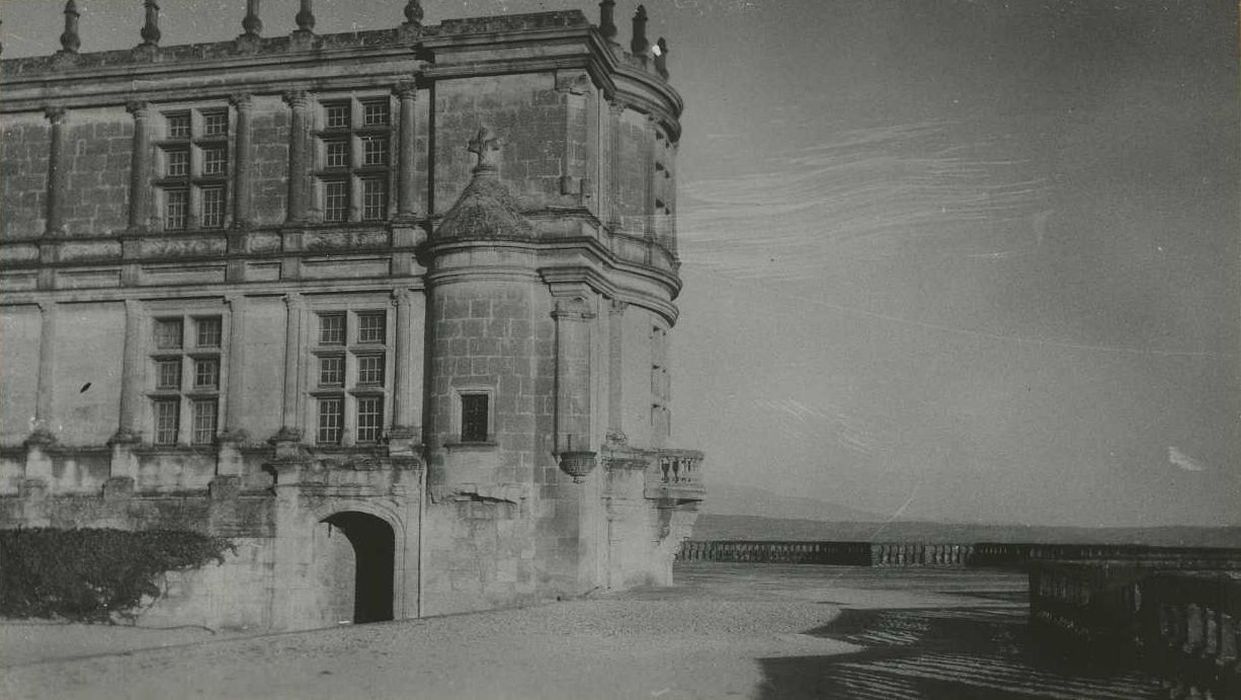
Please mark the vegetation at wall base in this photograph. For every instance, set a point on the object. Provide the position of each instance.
(94, 575)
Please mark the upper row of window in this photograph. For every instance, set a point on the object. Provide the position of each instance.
(353, 156)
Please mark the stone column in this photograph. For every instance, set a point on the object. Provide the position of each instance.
(407, 92)
(299, 162)
(616, 382)
(290, 429)
(242, 196)
(57, 172)
(401, 437)
(140, 167)
(124, 463)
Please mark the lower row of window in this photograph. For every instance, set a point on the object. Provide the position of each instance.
(368, 421)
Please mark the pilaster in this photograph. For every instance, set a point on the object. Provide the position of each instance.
(140, 167)
(124, 462)
(295, 308)
(299, 161)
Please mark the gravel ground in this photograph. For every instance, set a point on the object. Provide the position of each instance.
(606, 648)
(725, 631)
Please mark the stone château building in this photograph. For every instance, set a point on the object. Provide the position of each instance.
(388, 309)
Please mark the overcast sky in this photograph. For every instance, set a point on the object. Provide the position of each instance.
(957, 260)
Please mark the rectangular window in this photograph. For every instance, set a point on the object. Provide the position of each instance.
(331, 421)
(207, 373)
(167, 418)
(331, 329)
(176, 207)
(178, 125)
(176, 162)
(215, 123)
(374, 199)
(213, 207)
(370, 418)
(336, 154)
(336, 115)
(168, 374)
(375, 113)
(207, 332)
(372, 327)
(215, 160)
(204, 422)
(371, 370)
(168, 333)
(474, 417)
(335, 200)
(374, 150)
(332, 371)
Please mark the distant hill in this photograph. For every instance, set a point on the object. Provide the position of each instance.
(717, 526)
(731, 499)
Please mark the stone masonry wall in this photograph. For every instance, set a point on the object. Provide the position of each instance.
(19, 371)
(24, 144)
(527, 111)
(629, 191)
(87, 390)
(99, 153)
(270, 142)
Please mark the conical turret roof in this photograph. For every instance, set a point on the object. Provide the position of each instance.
(486, 209)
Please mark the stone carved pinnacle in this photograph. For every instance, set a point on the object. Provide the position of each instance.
(413, 13)
(150, 29)
(305, 17)
(487, 147)
(638, 45)
(252, 23)
(607, 23)
(70, 42)
(661, 58)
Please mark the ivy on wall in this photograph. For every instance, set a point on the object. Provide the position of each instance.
(95, 575)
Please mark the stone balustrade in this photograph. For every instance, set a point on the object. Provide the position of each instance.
(920, 554)
(840, 553)
(674, 474)
(1184, 625)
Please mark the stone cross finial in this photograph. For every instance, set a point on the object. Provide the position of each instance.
(413, 13)
(638, 45)
(487, 147)
(150, 30)
(69, 41)
(305, 17)
(252, 24)
(607, 25)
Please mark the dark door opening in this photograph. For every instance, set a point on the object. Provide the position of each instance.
(374, 548)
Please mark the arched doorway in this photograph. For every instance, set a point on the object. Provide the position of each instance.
(374, 549)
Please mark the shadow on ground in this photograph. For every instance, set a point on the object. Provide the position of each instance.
(940, 653)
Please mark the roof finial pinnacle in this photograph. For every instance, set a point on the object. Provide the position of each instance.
(150, 30)
(486, 146)
(252, 23)
(69, 40)
(607, 22)
(638, 45)
(413, 13)
(305, 17)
